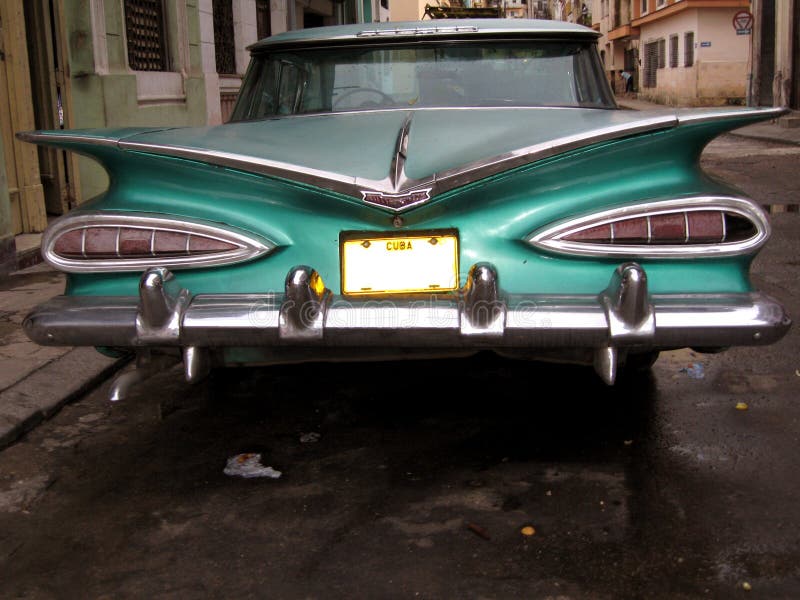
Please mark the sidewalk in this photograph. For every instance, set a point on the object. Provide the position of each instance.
(770, 131)
(36, 381)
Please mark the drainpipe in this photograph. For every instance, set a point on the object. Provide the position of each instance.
(292, 16)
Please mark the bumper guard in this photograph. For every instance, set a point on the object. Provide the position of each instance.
(622, 317)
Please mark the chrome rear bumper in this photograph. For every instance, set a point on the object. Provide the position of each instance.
(624, 316)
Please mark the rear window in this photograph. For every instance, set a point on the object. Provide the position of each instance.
(508, 74)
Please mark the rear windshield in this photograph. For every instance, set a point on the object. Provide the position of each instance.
(495, 74)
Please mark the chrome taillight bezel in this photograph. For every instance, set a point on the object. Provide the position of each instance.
(247, 245)
(551, 237)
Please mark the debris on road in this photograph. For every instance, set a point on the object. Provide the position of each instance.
(528, 530)
(741, 406)
(312, 437)
(249, 466)
(479, 531)
(694, 370)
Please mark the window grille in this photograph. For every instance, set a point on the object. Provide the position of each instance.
(144, 28)
(673, 51)
(263, 19)
(688, 49)
(224, 48)
(662, 53)
(650, 64)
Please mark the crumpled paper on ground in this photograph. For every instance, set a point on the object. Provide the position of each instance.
(249, 466)
(695, 371)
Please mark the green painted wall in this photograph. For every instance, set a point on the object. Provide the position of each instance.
(109, 97)
(7, 249)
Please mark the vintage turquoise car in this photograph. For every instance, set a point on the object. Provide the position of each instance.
(403, 190)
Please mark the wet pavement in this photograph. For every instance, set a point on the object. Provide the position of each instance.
(424, 475)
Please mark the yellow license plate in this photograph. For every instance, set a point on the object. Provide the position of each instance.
(392, 264)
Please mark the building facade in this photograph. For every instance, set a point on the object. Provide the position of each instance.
(696, 52)
(123, 63)
(680, 52)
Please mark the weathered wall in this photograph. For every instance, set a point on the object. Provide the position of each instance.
(675, 85)
(719, 72)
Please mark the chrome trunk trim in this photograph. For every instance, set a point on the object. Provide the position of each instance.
(710, 116)
(437, 183)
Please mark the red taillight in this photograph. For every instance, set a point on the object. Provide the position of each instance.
(690, 227)
(135, 242)
(681, 227)
(94, 242)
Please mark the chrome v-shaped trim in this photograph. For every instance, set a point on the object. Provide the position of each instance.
(397, 184)
(398, 170)
(401, 197)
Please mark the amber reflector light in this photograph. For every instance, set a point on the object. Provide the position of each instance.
(682, 227)
(134, 242)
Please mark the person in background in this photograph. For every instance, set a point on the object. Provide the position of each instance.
(627, 76)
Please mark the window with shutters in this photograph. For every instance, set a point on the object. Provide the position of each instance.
(662, 53)
(650, 65)
(144, 28)
(224, 45)
(688, 49)
(673, 51)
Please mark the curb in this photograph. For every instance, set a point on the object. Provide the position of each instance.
(763, 138)
(29, 258)
(47, 390)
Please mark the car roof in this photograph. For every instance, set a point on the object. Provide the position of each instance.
(462, 28)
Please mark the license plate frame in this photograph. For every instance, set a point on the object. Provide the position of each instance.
(382, 263)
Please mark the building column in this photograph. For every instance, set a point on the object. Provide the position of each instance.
(784, 46)
(209, 62)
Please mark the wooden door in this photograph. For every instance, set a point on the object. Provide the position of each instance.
(51, 100)
(28, 213)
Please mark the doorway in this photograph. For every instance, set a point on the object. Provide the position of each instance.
(46, 52)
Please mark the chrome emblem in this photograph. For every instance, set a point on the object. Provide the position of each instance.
(397, 201)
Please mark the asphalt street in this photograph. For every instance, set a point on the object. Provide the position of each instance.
(423, 478)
